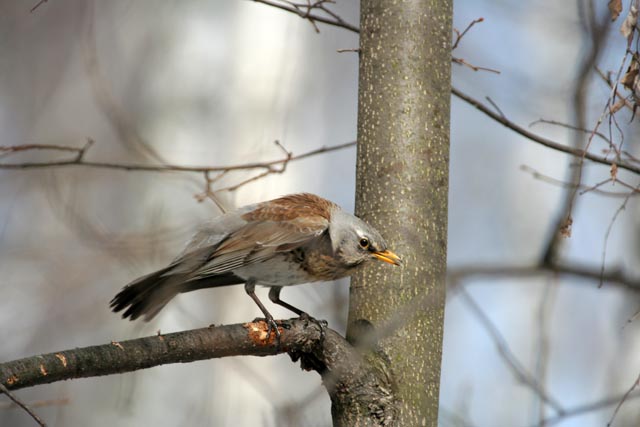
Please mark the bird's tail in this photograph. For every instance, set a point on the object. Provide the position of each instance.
(149, 294)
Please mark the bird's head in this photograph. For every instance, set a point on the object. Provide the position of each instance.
(354, 241)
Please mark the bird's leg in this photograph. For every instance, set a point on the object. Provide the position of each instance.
(274, 296)
(249, 288)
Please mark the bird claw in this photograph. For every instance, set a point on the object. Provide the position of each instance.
(322, 324)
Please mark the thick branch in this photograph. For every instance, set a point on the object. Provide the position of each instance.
(345, 372)
(141, 353)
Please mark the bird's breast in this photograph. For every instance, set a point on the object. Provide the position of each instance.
(294, 268)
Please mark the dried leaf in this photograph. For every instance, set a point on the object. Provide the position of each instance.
(630, 22)
(614, 171)
(565, 229)
(615, 7)
(631, 75)
(620, 103)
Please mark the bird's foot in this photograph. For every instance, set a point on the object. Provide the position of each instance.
(322, 324)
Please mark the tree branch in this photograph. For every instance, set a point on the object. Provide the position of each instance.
(613, 276)
(345, 369)
(479, 105)
(22, 405)
(541, 140)
(333, 19)
(79, 161)
(180, 347)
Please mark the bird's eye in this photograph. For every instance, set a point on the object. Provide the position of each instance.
(364, 243)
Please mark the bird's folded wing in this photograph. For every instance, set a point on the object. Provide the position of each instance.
(260, 240)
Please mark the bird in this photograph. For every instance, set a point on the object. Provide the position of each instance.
(294, 239)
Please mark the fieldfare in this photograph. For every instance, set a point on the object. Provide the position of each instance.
(295, 239)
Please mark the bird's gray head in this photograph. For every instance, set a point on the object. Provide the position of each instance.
(354, 241)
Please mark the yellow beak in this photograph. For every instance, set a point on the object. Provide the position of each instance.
(388, 256)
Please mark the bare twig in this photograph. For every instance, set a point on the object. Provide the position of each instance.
(613, 276)
(28, 147)
(494, 105)
(296, 9)
(625, 101)
(461, 61)
(542, 343)
(208, 190)
(79, 161)
(481, 107)
(568, 126)
(541, 140)
(507, 355)
(5, 390)
(456, 42)
(460, 35)
(39, 403)
(624, 398)
(608, 233)
(37, 5)
(584, 409)
(584, 188)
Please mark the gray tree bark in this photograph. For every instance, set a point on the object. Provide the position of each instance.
(402, 186)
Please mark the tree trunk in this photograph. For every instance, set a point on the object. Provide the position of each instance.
(401, 189)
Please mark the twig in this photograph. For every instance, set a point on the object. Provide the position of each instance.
(541, 140)
(619, 94)
(79, 161)
(608, 233)
(460, 35)
(507, 355)
(494, 105)
(39, 403)
(334, 20)
(208, 190)
(461, 61)
(585, 189)
(613, 276)
(542, 342)
(568, 126)
(26, 147)
(561, 226)
(584, 408)
(481, 107)
(84, 149)
(5, 390)
(635, 384)
(37, 5)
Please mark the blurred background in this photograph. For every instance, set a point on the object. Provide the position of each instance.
(216, 83)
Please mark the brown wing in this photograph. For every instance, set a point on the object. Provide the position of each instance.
(260, 240)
